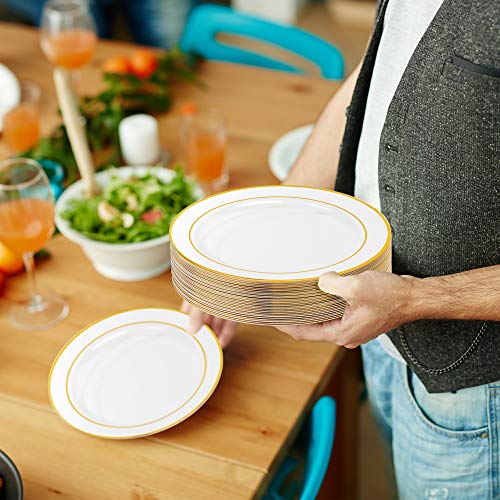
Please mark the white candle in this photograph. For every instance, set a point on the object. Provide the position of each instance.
(139, 140)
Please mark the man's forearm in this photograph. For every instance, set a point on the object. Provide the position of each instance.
(318, 161)
(470, 295)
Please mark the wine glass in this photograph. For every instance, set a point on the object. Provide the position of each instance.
(68, 33)
(26, 224)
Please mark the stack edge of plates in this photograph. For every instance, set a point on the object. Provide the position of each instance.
(254, 255)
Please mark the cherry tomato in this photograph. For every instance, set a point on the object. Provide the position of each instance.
(151, 216)
(117, 64)
(143, 63)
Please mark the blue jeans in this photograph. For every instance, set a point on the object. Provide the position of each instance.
(444, 446)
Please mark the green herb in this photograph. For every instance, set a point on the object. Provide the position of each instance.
(137, 209)
(42, 254)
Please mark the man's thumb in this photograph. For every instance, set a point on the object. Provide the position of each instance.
(335, 284)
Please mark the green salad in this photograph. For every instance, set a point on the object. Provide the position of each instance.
(131, 210)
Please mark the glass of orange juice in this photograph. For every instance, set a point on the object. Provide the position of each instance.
(22, 124)
(26, 224)
(68, 33)
(204, 140)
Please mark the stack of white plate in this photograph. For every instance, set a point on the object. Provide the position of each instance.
(254, 255)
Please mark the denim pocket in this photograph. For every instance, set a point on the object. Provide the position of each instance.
(459, 415)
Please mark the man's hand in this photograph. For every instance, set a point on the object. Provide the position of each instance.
(377, 302)
(224, 329)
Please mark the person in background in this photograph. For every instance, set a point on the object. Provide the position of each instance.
(157, 23)
(415, 131)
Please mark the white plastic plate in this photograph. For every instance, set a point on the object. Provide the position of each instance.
(286, 150)
(134, 374)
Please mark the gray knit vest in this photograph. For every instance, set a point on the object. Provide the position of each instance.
(439, 179)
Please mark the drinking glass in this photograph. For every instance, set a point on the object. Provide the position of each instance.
(204, 139)
(21, 126)
(68, 33)
(26, 224)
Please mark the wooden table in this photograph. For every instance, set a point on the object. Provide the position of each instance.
(233, 445)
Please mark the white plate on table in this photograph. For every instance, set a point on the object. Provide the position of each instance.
(10, 94)
(286, 150)
(134, 374)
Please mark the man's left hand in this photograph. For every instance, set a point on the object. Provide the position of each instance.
(377, 302)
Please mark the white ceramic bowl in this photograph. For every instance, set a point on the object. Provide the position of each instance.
(119, 261)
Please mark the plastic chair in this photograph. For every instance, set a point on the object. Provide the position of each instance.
(206, 21)
(321, 432)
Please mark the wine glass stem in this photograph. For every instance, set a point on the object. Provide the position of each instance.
(36, 299)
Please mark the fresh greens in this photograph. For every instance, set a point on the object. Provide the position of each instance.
(131, 210)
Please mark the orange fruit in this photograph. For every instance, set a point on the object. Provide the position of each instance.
(189, 108)
(10, 262)
(117, 64)
(143, 62)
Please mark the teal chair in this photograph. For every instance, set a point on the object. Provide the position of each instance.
(206, 21)
(316, 443)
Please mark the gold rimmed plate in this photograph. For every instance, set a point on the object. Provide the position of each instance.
(134, 374)
(189, 269)
(279, 234)
(245, 291)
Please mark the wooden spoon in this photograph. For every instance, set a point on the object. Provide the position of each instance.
(75, 128)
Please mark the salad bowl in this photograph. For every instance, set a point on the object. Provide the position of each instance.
(128, 261)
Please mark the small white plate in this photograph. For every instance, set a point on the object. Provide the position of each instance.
(286, 150)
(10, 94)
(134, 374)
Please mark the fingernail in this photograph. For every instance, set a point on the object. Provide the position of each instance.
(192, 330)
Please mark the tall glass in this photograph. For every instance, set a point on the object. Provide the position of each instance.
(21, 127)
(26, 224)
(68, 33)
(204, 139)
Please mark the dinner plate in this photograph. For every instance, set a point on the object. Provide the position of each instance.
(230, 283)
(134, 374)
(280, 233)
(262, 307)
(237, 295)
(269, 304)
(10, 96)
(263, 313)
(285, 151)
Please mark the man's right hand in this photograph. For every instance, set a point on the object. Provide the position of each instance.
(224, 329)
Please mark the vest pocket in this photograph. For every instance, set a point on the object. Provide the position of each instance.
(473, 67)
(463, 71)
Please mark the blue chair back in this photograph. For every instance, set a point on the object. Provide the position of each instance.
(321, 433)
(206, 21)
